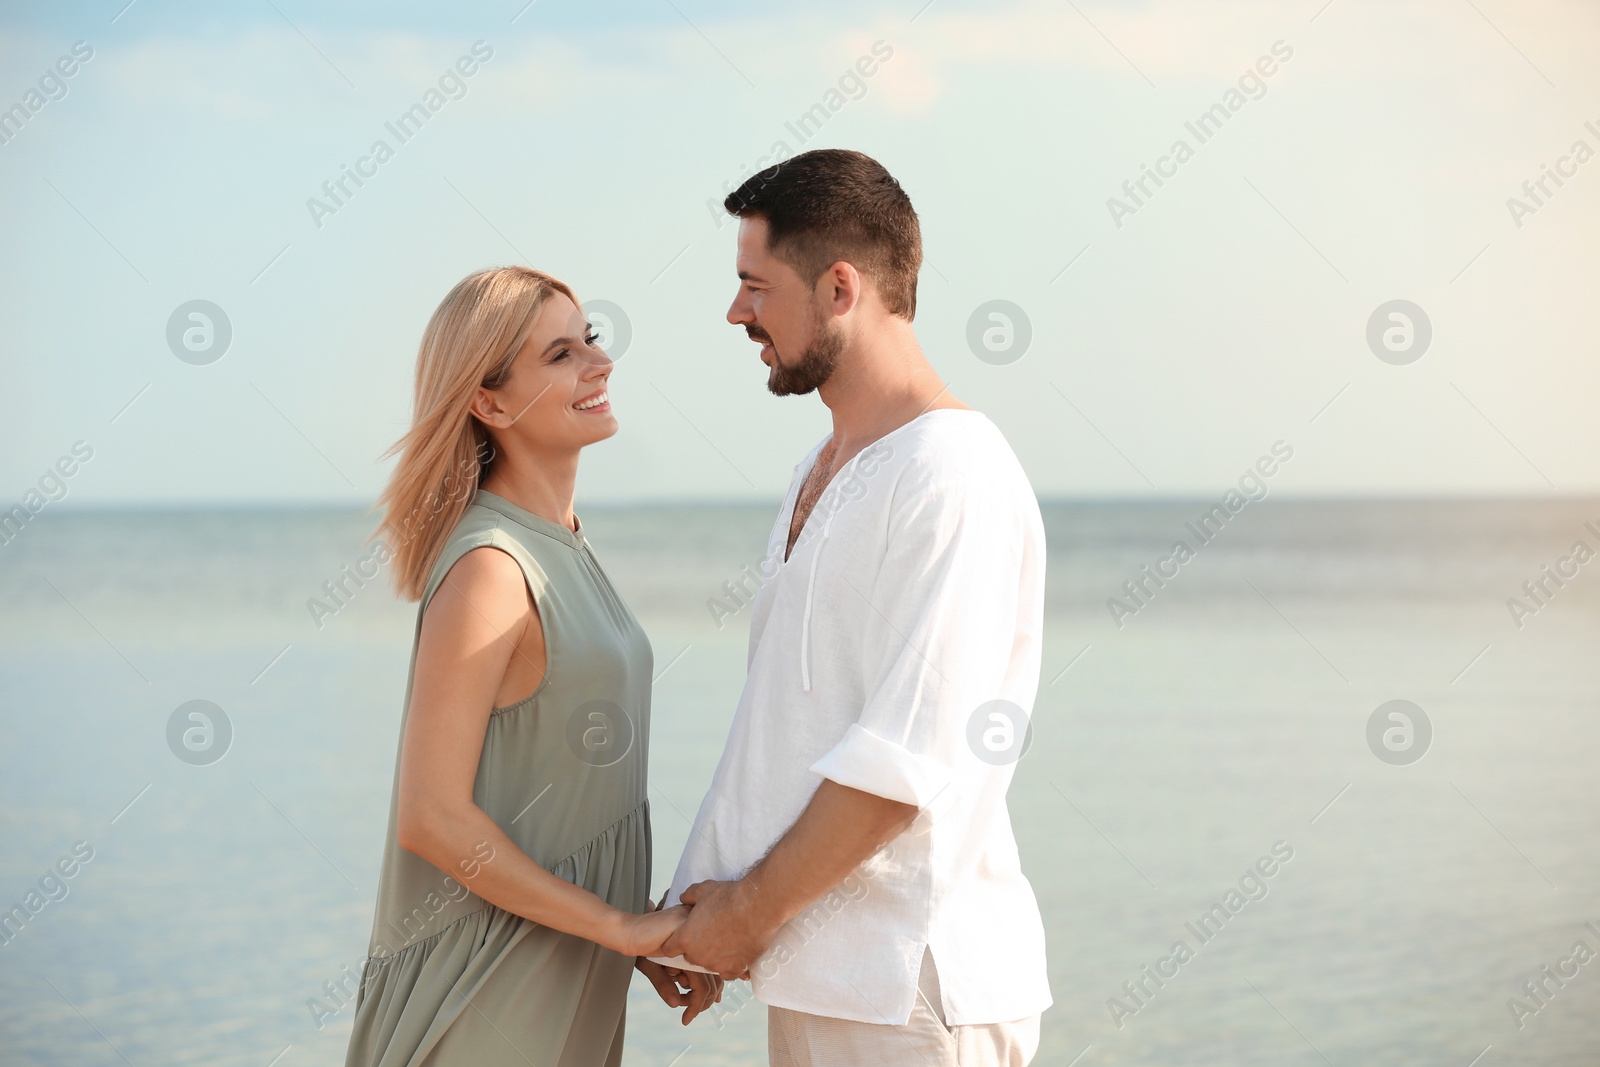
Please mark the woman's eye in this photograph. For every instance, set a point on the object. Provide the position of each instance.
(592, 338)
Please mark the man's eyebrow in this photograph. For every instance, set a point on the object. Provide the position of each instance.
(746, 276)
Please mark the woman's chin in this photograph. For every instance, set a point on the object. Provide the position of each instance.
(602, 427)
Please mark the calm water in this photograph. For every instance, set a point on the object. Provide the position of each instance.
(1228, 715)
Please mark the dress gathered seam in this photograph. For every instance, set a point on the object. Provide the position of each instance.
(630, 813)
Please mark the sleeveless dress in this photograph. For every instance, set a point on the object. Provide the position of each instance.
(453, 979)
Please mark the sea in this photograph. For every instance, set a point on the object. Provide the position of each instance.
(1321, 792)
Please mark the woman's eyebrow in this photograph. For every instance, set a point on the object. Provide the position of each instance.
(556, 342)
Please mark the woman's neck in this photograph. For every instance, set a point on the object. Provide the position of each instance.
(541, 483)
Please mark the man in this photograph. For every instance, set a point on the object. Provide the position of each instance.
(854, 856)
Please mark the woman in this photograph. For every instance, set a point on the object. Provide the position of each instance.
(513, 898)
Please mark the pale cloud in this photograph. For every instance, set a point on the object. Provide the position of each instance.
(554, 73)
(1177, 40)
(1392, 141)
(905, 84)
(266, 74)
(260, 72)
(246, 76)
(1171, 38)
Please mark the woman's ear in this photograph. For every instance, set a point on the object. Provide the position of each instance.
(486, 408)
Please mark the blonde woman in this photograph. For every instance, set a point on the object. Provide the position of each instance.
(513, 899)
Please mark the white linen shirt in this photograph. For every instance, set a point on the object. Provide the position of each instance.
(914, 597)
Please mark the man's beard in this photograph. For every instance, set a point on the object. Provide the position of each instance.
(817, 362)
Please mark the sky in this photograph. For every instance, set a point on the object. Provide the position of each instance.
(1151, 341)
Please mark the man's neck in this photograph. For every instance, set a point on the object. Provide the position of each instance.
(883, 382)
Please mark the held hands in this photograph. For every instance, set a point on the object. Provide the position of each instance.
(721, 928)
(724, 931)
(702, 991)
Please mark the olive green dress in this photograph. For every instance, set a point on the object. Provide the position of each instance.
(452, 979)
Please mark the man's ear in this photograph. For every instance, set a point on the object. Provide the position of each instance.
(842, 286)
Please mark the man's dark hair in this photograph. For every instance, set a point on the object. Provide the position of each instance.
(831, 204)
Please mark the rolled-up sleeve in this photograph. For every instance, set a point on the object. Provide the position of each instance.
(872, 764)
(937, 634)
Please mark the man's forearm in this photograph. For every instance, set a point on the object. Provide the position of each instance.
(838, 829)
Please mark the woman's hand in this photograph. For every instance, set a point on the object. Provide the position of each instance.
(704, 991)
(643, 935)
(665, 980)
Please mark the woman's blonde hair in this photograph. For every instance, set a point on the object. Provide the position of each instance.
(471, 341)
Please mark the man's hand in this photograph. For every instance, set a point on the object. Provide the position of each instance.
(725, 931)
(731, 924)
(703, 991)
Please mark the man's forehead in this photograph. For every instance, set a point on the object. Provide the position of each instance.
(752, 237)
(752, 255)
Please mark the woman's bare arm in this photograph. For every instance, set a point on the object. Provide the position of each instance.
(480, 629)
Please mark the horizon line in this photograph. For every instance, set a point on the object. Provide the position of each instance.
(65, 507)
